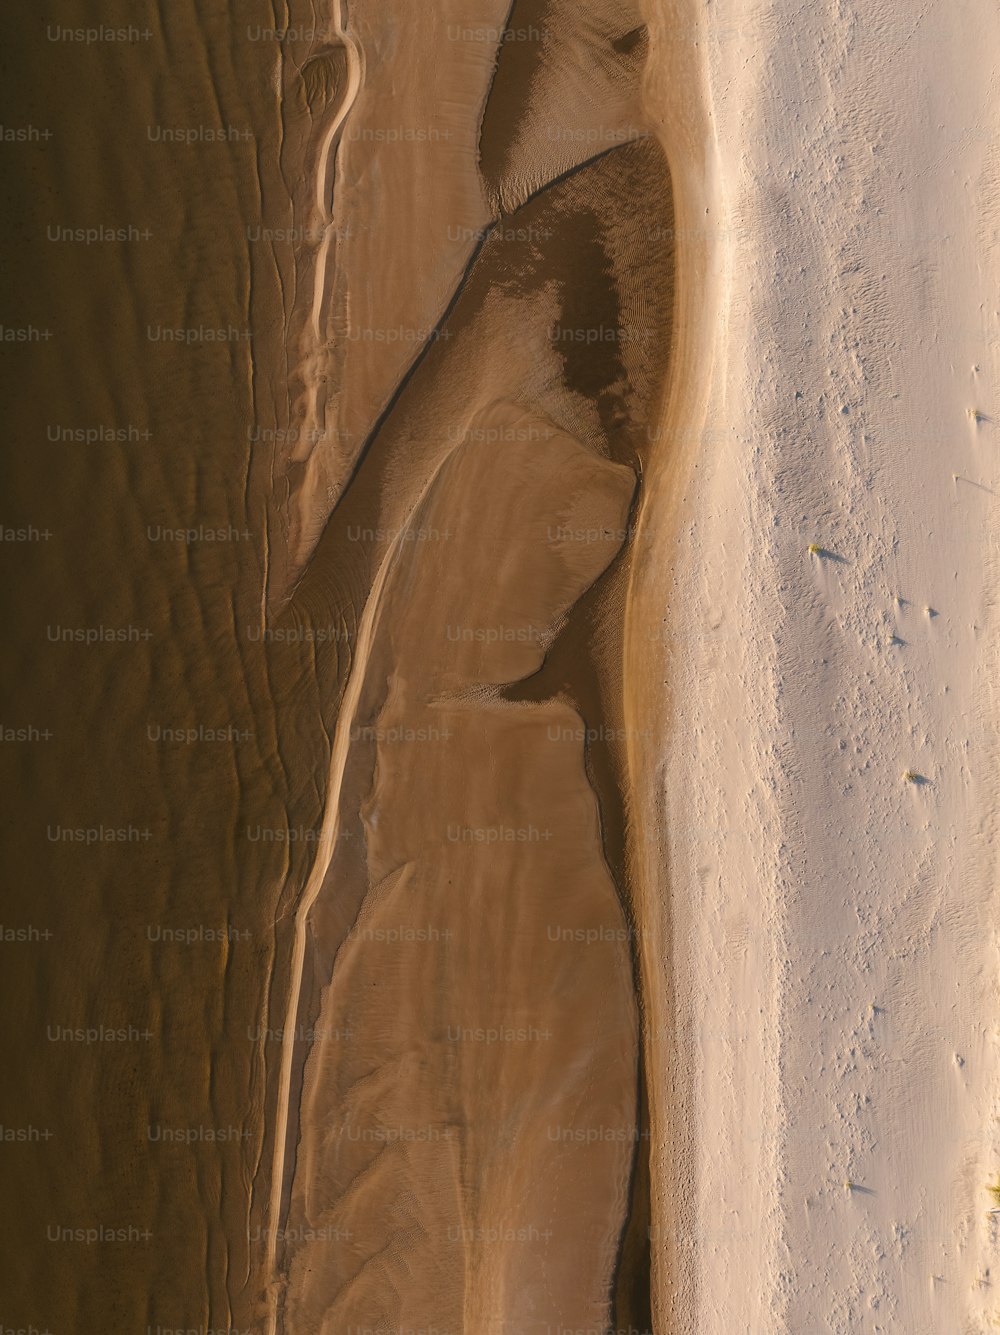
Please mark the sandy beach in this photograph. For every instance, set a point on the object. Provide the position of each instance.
(643, 976)
(831, 770)
(499, 748)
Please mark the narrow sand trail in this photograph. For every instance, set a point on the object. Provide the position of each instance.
(324, 854)
(354, 72)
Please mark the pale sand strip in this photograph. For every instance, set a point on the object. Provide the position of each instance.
(833, 927)
(354, 69)
(676, 105)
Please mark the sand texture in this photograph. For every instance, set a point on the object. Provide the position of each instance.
(461, 1138)
(640, 369)
(500, 730)
(830, 777)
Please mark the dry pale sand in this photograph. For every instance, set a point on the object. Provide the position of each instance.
(833, 940)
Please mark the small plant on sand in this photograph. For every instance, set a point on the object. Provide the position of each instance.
(910, 775)
(814, 549)
(848, 1185)
(976, 415)
(994, 1189)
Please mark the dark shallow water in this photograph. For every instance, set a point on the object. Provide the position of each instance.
(141, 706)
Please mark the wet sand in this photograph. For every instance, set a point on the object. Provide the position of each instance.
(339, 534)
(152, 730)
(460, 1135)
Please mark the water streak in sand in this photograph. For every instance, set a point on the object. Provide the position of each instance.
(326, 846)
(330, 825)
(323, 209)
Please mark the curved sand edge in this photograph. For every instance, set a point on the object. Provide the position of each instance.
(677, 106)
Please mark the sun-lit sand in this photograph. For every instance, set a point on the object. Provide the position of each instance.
(832, 949)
